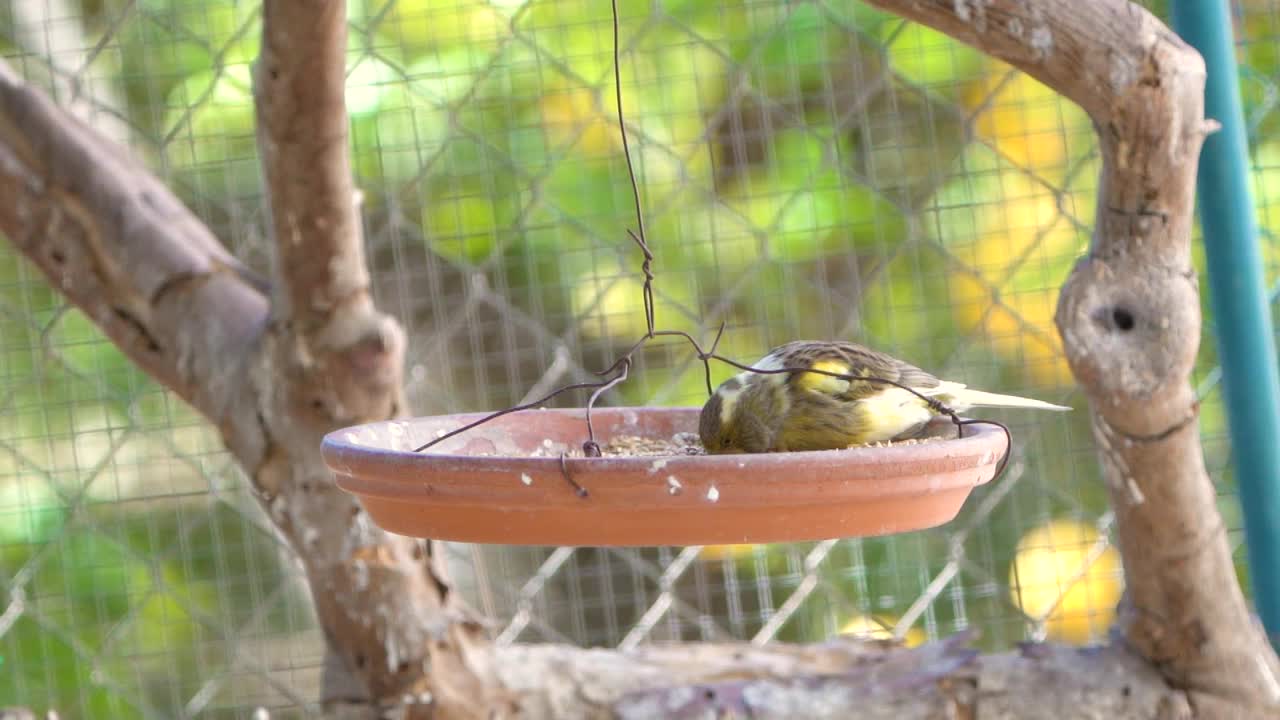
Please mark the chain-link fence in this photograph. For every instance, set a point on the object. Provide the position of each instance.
(808, 170)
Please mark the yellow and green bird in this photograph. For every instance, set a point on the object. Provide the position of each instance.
(797, 410)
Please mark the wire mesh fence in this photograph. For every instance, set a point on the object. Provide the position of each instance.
(807, 170)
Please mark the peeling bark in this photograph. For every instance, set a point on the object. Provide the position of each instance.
(330, 359)
(830, 680)
(120, 246)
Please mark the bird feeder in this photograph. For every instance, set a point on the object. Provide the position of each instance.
(521, 479)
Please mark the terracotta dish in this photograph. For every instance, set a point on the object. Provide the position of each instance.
(502, 482)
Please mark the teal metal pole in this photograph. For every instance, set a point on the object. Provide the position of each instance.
(1240, 307)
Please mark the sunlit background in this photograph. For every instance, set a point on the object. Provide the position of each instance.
(807, 169)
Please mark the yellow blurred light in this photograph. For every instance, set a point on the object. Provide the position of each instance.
(462, 229)
(731, 552)
(574, 116)
(432, 26)
(1061, 575)
(1023, 119)
(928, 58)
(1016, 236)
(611, 304)
(1022, 251)
(1266, 188)
(880, 628)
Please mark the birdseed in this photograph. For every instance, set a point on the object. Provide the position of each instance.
(636, 446)
(679, 444)
(907, 441)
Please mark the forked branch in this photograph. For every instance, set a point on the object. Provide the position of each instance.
(1144, 88)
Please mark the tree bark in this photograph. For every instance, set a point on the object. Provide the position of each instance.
(1129, 316)
(274, 374)
(836, 680)
(329, 359)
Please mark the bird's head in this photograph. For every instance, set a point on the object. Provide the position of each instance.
(724, 428)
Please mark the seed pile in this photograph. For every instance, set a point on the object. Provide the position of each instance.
(636, 446)
(908, 441)
(690, 444)
(685, 443)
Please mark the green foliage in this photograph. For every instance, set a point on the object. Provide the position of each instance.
(115, 592)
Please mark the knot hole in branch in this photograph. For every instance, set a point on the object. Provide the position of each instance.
(1129, 328)
(1122, 318)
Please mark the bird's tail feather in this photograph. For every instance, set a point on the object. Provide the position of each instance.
(961, 398)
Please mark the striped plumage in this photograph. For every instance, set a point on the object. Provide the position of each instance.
(758, 412)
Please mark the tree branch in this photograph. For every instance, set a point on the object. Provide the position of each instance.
(1129, 316)
(120, 246)
(299, 93)
(330, 360)
(828, 680)
(52, 31)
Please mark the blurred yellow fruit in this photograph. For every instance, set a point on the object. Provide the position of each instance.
(1021, 234)
(461, 228)
(1021, 251)
(609, 306)
(1061, 575)
(880, 628)
(727, 551)
(610, 303)
(1023, 118)
(419, 27)
(732, 552)
(928, 58)
(1266, 188)
(574, 116)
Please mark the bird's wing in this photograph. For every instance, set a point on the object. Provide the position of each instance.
(849, 358)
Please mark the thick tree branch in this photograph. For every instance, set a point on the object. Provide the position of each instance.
(329, 360)
(299, 90)
(120, 246)
(839, 679)
(1129, 316)
(124, 249)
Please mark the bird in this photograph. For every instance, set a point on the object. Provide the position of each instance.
(785, 408)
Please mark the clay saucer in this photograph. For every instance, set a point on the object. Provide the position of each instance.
(502, 482)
